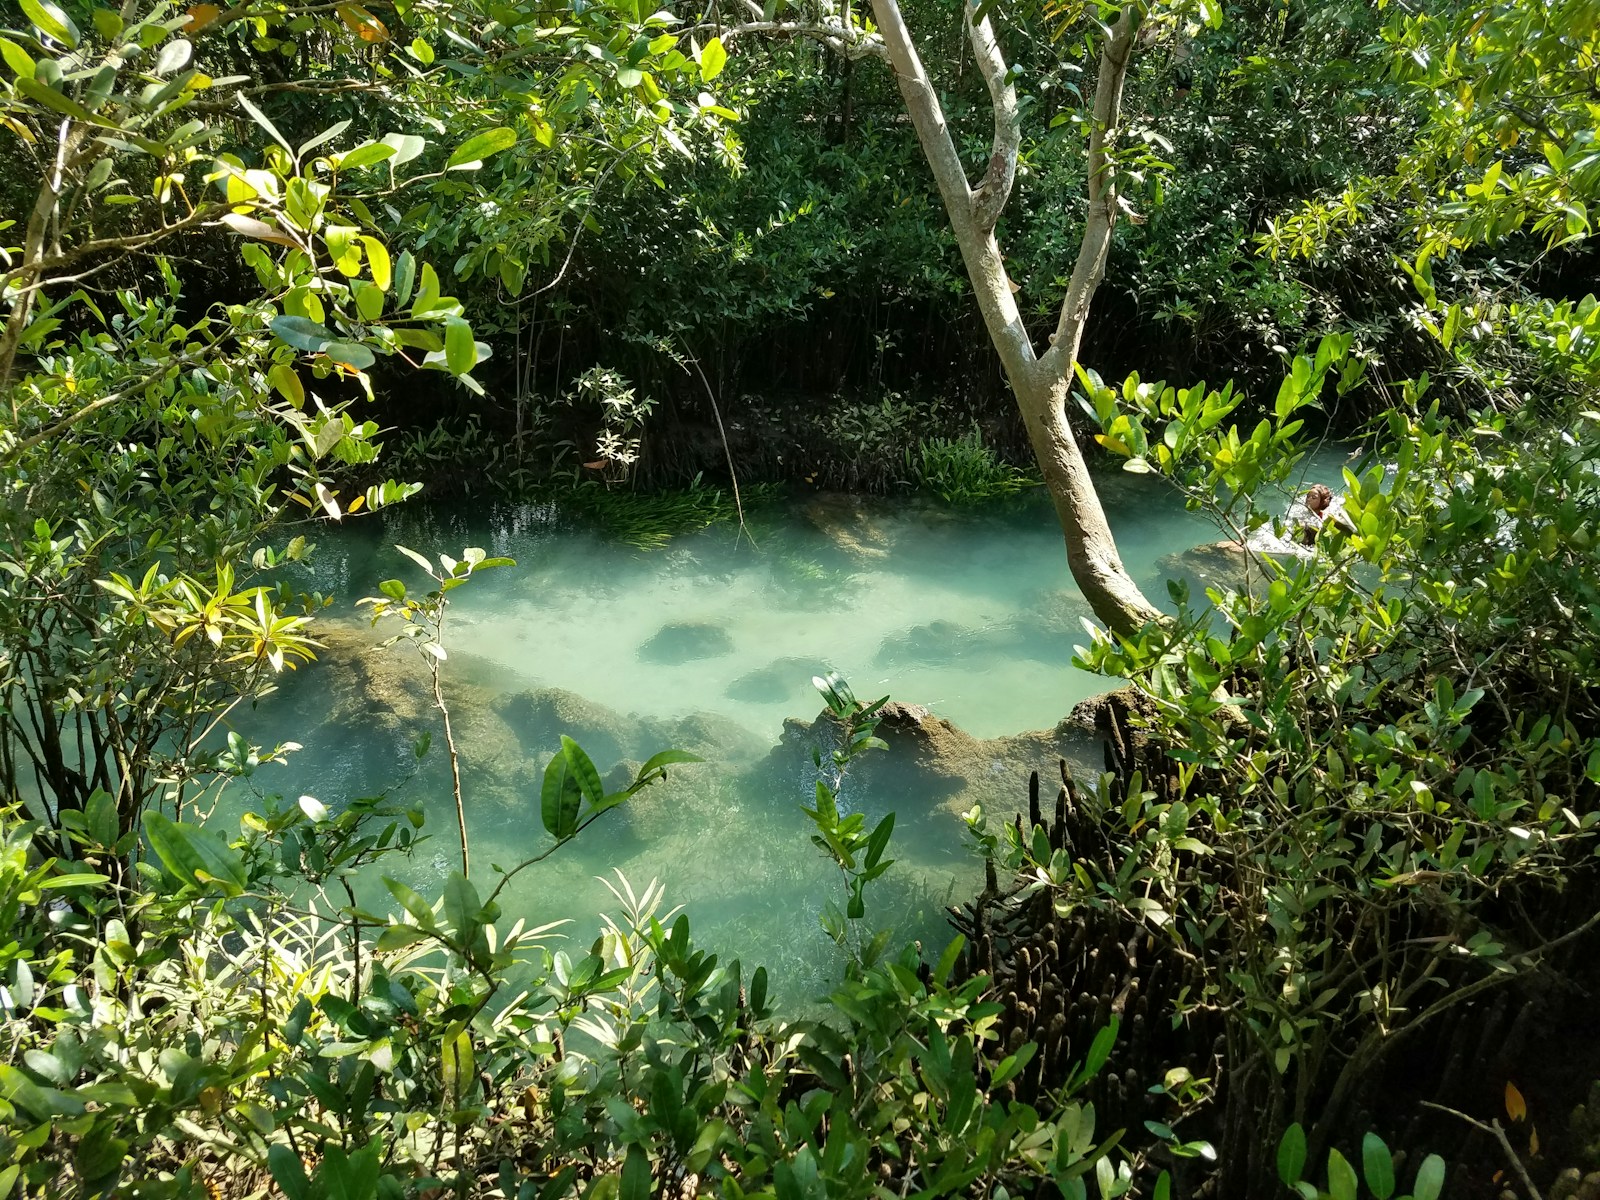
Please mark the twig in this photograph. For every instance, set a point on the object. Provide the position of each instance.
(1494, 1130)
(727, 450)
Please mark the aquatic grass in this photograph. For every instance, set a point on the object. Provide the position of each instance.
(651, 520)
(965, 471)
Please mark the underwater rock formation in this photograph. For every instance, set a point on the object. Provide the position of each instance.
(846, 522)
(686, 641)
(1223, 565)
(782, 679)
(930, 763)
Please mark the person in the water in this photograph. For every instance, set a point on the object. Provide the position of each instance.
(1306, 516)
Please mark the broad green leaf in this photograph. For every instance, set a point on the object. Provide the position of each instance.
(460, 352)
(456, 1065)
(1430, 1179)
(1292, 1155)
(659, 762)
(282, 376)
(323, 138)
(407, 146)
(712, 59)
(481, 145)
(1342, 1182)
(583, 768)
(52, 21)
(462, 904)
(194, 855)
(366, 155)
(1378, 1166)
(303, 333)
(18, 59)
(378, 262)
(560, 798)
(288, 1172)
(351, 354)
(636, 1178)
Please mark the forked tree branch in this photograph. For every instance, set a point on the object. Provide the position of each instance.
(990, 196)
(1116, 54)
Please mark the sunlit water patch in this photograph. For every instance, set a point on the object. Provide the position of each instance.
(710, 645)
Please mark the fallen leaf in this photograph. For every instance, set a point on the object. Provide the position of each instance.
(1516, 1106)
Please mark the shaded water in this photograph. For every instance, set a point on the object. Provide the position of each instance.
(711, 644)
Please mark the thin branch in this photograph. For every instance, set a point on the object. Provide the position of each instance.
(1115, 55)
(989, 198)
(1494, 1130)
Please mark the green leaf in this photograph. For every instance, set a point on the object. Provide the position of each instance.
(460, 353)
(636, 1179)
(287, 1172)
(303, 333)
(366, 155)
(559, 798)
(481, 145)
(712, 59)
(462, 904)
(52, 21)
(421, 911)
(1099, 1051)
(260, 118)
(583, 769)
(18, 59)
(407, 146)
(41, 1103)
(282, 376)
(659, 762)
(378, 262)
(1342, 1182)
(194, 855)
(351, 354)
(456, 1065)
(1430, 1179)
(1292, 1155)
(1378, 1166)
(405, 275)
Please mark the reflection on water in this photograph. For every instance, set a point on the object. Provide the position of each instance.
(710, 645)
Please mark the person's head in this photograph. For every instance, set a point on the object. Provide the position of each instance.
(1319, 497)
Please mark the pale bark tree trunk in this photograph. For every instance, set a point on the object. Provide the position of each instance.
(1042, 384)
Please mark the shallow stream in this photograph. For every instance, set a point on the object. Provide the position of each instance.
(710, 645)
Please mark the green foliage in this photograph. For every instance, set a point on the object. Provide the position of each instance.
(1375, 733)
(965, 471)
(857, 851)
(1378, 1170)
(393, 1050)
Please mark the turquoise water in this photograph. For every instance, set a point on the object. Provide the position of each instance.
(711, 644)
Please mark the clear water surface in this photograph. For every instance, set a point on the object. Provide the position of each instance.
(711, 643)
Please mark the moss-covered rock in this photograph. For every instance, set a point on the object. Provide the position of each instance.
(686, 641)
(539, 717)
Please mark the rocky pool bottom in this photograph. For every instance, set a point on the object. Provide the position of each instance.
(710, 646)
(725, 836)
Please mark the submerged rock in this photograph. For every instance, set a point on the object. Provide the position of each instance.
(935, 642)
(846, 521)
(686, 641)
(541, 716)
(782, 679)
(930, 764)
(1223, 565)
(712, 736)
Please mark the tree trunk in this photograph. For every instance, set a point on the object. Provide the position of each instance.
(1041, 384)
